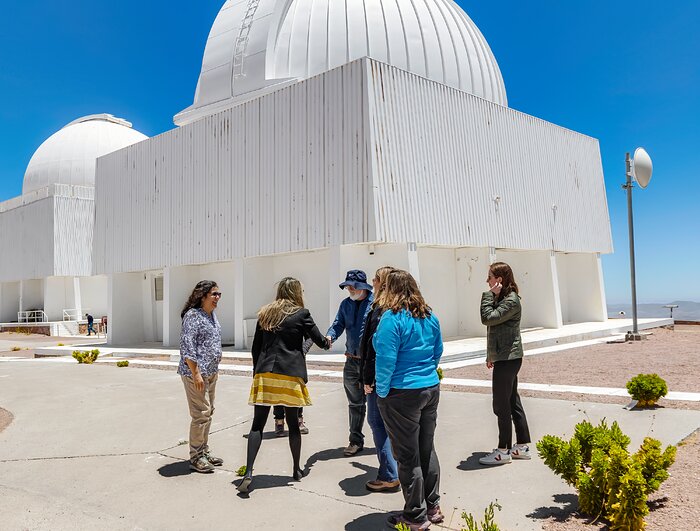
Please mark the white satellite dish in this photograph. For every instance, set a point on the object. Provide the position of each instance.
(642, 167)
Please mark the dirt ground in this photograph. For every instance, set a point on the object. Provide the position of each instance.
(5, 419)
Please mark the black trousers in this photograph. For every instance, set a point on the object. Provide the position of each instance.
(278, 412)
(410, 417)
(507, 405)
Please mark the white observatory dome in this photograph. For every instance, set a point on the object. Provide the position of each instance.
(69, 155)
(256, 44)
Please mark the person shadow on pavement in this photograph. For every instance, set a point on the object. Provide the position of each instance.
(368, 522)
(264, 481)
(472, 462)
(178, 468)
(355, 486)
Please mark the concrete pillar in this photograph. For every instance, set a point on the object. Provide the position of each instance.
(582, 290)
(536, 275)
(238, 302)
(178, 283)
(336, 275)
(413, 264)
(9, 301)
(125, 309)
(77, 297)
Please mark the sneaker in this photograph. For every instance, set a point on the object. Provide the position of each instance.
(377, 485)
(495, 458)
(216, 461)
(244, 485)
(279, 427)
(435, 515)
(396, 519)
(352, 449)
(520, 451)
(200, 464)
(302, 427)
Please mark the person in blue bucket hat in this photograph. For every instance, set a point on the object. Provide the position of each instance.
(349, 319)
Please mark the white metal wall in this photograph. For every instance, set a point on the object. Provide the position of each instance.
(285, 172)
(454, 169)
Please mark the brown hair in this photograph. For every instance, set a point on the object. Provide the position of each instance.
(195, 299)
(289, 300)
(503, 270)
(381, 275)
(401, 293)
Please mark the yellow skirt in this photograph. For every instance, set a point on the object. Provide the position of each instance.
(269, 389)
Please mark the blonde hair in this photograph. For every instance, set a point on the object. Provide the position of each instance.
(381, 275)
(401, 293)
(289, 300)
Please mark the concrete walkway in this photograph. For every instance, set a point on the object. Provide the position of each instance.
(97, 447)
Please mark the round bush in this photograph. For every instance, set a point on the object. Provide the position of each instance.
(647, 389)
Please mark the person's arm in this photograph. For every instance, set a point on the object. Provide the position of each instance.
(493, 314)
(366, 365)
(313, 333)
(256, 349)
(338, 326)
(189, 351)
(386, 344)
(437, 347)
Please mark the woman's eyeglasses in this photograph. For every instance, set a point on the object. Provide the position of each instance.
(215, 294)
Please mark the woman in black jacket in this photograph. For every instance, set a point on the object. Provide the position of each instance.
(387, 476)
(279, 368)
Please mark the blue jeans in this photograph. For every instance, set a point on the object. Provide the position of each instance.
(387, 464)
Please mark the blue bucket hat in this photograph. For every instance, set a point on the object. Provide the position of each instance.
(357, 279)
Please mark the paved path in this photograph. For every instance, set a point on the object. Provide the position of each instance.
(96, 447)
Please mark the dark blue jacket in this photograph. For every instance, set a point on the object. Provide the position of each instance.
(350, 319)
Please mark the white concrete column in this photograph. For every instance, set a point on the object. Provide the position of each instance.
(413, 265)
(77, 297)
(582, 289)
(125, 309)
(21, 297)
(599, 307)
(335, 277)
(178, 283)
(238, 302)
(54, 298)
(9, 301)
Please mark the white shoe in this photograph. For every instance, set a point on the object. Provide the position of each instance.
(497, 457)
(520, 451)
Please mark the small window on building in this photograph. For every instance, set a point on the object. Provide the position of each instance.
(159, 288)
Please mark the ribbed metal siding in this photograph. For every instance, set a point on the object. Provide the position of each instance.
(441, 156)
(285, 172)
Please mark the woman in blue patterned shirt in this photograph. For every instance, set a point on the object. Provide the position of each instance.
(200, 354)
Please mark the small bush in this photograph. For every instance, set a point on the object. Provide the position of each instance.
(15, 349)
(86, 356)
(439, 371)
(488, 523)
(123, 363)
(610, 481)
(60, 344)
(241, 471)
(647, 389)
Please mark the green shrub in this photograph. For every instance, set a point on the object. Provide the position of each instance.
(439, 371)
(402, 527)
(241, 471)
(610, 482)
(487, 525)
(123, 363)
(60, 344)
(86, 356)
(647, 389)
(15, 349)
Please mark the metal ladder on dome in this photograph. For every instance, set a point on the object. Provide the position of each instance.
(243, 37)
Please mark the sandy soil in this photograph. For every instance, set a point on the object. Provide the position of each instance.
(5, 419)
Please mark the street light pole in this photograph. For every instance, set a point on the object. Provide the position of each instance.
(634, 335)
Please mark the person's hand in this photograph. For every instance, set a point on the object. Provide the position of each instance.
(496, 288)
(489, 365)
(198, 382)
(368, 389)
(330, 340)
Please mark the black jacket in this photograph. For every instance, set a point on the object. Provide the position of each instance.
(368, 355)
(280, 352)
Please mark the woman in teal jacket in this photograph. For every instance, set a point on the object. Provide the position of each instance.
(409, 345)
(500, 312)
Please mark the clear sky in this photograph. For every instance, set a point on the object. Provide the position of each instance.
(626, 72)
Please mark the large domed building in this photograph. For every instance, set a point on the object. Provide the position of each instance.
(46, 273)
(326, 136)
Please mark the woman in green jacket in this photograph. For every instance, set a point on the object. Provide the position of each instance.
(500, 312)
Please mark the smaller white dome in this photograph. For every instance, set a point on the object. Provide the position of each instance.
(69, 155)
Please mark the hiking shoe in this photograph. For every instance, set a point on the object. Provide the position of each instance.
(520, 451)
(352, 449)
(377, 485)
(302, 427)
(200, 464)
(279, 427)
(435, 515)
(396, 519)
(495, 458)
(216, 461)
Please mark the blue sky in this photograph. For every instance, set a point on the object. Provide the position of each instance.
(626, 72)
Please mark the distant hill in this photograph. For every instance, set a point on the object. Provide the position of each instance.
(686, 311)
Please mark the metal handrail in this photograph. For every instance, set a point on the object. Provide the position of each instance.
(71, 314)
(32, 316)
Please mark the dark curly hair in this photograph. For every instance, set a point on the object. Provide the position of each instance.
(200, 291)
